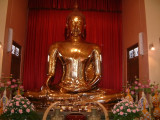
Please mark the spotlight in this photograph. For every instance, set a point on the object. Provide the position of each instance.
(151, 47)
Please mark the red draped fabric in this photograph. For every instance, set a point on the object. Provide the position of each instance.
(105, 5)
(46, 26)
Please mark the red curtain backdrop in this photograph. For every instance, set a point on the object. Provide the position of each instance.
(46, 26)
(96, 5)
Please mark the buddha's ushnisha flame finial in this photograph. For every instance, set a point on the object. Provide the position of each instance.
(76, 5)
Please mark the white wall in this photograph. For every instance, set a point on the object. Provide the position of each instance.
(153, 34)
(3, 14)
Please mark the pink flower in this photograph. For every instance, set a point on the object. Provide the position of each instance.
(142, 86)
(126, 90)
(114, 112)
(15, 85)
(25, 106)
(121, 113)
(147, 86)
(10, 104)
(17, 103)
(134, 111)
(117, 110)
(136, 82)
(22, 102)
(131, 105)
(132, 92)
(137, 110)
(152, 90)
(156, 86)
(12, 86)
(128, 110)
(21, 87)
(121, 107)
(136, 87)
(8, 82)
(126, 104)
(13, 80)
(5, 110)
(118, 103)
(17, 98)
(149, 81)
(28, 102)
(20, 111)
(12, 111)
(139, 84)
(2, 84)
(27, 110)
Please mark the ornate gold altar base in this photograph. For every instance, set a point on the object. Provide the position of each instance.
(74, 99)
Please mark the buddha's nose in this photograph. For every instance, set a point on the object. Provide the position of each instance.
(76, 28)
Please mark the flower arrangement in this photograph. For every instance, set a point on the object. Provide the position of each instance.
(19, 108)
(5, 83)
(12, 85)
(125, 110)
(147, 87)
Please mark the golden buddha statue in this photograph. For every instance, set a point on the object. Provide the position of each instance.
(81, 62)
(76, 56)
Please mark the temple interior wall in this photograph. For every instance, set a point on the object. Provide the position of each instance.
(17, 20)
(3, 14)
(153, 34)
(134, 22)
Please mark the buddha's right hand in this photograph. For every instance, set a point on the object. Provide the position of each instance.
(48, 82)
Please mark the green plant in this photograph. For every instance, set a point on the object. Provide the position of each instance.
(125, 110)
(19, 108)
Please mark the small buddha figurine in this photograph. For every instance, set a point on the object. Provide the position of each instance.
(146, 114)
(129, 97)
(141, 102)
(155, 99)
(4, 99)
(156, 112)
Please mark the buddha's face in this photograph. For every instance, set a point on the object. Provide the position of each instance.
(76, 26)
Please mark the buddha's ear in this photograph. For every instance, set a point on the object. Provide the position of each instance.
(84, 33)
(66, 25)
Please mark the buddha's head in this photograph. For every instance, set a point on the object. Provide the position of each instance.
(75, 25)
